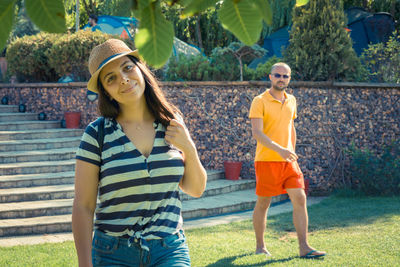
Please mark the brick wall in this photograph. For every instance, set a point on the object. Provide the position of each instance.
(330, 117)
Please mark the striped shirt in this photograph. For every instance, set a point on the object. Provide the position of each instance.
(138, 196)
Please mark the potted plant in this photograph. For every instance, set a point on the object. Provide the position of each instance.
(232, 169)
(72, 119)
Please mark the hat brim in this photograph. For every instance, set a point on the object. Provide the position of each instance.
(92, 83)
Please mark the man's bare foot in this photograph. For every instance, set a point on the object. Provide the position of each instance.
(263, 251)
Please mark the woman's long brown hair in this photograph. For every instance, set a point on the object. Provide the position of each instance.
(162, 110)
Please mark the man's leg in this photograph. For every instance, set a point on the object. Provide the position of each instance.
(260, 222)
(300, 220)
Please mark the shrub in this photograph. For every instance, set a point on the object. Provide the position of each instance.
(69, 54)
(27, 58)
(375, 174)
(383, 60)
(188, 68)
(262, 70)
(47, 57)
(224, 67)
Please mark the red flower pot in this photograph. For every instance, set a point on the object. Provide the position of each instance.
(232, 169)
(72, 119)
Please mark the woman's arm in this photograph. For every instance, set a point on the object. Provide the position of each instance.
(194, 178)
(86, 184)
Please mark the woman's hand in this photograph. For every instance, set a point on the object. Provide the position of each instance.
(178, 136)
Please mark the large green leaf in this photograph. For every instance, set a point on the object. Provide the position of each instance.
(138, 6)
(242, 18)
(301, 2)
(6, 20)
(197, 6)
(265, 9)
(155, 37)
(48, 15)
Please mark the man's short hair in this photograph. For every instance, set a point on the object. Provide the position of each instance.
(280, 64)
(93, 17)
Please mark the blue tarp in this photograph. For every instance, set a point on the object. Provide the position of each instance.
(125, 28)
(365, 28)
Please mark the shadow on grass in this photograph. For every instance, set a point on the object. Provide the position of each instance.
(229, 261)
(342, 212)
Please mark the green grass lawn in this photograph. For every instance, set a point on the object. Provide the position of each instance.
(354, 232)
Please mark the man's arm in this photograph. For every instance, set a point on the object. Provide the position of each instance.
(258, 134)
(294, 138)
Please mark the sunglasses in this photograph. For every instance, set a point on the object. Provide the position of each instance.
(277, 75)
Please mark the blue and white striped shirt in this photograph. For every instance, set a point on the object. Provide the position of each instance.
(138, 196)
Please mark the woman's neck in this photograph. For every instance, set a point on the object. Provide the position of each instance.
(137, 112)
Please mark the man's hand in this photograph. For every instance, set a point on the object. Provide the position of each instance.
(288, 155)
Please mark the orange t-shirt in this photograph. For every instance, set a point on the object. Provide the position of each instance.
(277, 123)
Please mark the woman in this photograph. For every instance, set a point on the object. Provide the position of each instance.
(135, 166)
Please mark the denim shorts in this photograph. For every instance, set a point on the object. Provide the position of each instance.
(114, 251)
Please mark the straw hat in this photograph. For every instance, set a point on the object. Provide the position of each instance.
(105, 53)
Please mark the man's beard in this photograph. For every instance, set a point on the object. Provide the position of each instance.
(276, 87)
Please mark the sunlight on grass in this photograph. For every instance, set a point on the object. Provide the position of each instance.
(354, 232)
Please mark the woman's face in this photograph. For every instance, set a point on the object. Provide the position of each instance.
(123, 80)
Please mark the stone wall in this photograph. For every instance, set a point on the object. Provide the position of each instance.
(331, 116)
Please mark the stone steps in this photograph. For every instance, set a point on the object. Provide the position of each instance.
(8, 108)
(9, 117)
(28, 125)
(60, 191)
(39, 144)
(40, 134)
(37, 167)
(37, 163)
(36, 179)
(54, 216)
(38, 155)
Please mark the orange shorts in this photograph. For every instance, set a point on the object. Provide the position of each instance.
(272, 178)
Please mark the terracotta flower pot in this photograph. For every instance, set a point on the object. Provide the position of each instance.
(232, 169)
(72, 119)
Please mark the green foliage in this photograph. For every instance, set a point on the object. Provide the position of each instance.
(232, 16)
(221, 66)
(224, 67)
(282, 16)
(23, 26)
(47, 15)
(375, 174)
(188, 68)
(70, 52)
(320, 48)
(27, 58)
(242, 53)
(7, 8)
(383, 60)
(47, 57)
(202, 30)
(155, 36)
(262, 70)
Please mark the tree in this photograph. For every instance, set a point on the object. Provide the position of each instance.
(242, 52)
(320, 48)
(155, 36)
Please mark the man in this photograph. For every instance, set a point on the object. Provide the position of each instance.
(92, 20)
(272, 117)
